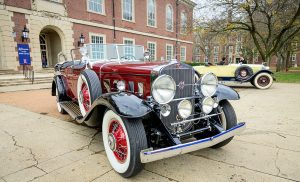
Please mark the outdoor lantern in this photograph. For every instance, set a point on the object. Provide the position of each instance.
(25, 34)
(81, 40)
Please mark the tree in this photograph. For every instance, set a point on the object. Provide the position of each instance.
(272, 24)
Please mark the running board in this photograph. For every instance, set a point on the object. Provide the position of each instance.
(72, 109)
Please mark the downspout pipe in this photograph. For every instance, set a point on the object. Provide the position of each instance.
(114, 20)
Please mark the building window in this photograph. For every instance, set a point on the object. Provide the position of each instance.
(294, 58)
(206, 59)
(230, 59)
(97, 50)
(239, 38)
(183, 21)
(152, 50)
(183, 54)
(128, 48)
(230, 49)
(169, 18)
(128, 10)
(151, 10)
(169, 52)
(96, 6)
(216, 54)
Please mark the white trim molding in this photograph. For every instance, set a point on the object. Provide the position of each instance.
(152, 42)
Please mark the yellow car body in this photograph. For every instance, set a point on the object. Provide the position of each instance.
(257, 74)
(227, 70)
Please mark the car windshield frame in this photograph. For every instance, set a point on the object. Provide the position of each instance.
(114, 52)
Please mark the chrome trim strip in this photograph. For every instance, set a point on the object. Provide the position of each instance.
(150, 155)
(190, 120)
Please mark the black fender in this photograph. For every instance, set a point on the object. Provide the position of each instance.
(59, 83)
(262, 71)
(125, 104)
(226, 93)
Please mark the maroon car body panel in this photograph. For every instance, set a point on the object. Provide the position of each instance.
(137, 72)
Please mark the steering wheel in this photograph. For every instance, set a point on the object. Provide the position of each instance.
(128, 57)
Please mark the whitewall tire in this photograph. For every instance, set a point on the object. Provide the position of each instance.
(123, 140)
(59, 108)
(88, 90)
(263, 80)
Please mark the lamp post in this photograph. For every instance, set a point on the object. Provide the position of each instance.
(81, 40)
(25, 34)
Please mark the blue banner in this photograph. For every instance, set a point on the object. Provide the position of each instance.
(24, 54)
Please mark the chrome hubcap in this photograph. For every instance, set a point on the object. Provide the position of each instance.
(112, 142)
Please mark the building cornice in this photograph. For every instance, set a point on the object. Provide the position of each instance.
(189, 3)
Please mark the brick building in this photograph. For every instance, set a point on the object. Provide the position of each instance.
(233, 47)
(55, 26)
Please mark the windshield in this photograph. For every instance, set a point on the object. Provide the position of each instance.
(98, 52)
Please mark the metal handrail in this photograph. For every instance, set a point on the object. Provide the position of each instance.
(28, 73)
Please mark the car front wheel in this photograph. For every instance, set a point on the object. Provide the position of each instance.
(123, 140)
(227, 120)
(263, 80)
(59, 108)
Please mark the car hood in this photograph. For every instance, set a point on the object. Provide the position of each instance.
(136, 67)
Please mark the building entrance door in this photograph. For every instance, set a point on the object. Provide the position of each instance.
(50, 46)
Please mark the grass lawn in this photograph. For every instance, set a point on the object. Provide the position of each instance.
(288, 77)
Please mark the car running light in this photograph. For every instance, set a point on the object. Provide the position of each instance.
(185, 108)
(207, 105)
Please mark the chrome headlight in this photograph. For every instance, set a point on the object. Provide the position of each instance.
(185, 109)
(163, 89)
(209, 84)
(207, 105)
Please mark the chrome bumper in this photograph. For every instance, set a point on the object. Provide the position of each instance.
(149, 155)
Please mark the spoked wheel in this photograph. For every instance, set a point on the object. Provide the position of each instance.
(59, 108)
(123, 140)
(263, 81)
(227, 120)
(88, 90)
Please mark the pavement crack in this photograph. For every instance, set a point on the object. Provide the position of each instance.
(277, 154)
(90, 142)
(170, 179)
(28, 148)
(101, 175)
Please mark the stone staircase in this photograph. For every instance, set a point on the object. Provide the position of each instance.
(16, 78)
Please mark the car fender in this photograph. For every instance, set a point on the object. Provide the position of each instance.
(263, 71)
(226, 93)
(59, 83)
(125, 104)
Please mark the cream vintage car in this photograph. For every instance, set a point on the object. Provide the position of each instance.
(258, 75)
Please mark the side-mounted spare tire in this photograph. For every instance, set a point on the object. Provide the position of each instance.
(243, 73)
(88, 90)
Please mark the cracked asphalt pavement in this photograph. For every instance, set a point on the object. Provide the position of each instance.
(37, 144)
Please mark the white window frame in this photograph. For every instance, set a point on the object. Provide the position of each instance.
(155, 14)
(92, 11)
(181, 25)
(132, 48)
(294, 58)
(172, 51)
(206, 59)
(98, 35)
(172, 12)
(133, 11)
(230, 49)
(151, 42)
(183, 47)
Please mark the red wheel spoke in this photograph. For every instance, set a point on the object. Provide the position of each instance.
(121, 148)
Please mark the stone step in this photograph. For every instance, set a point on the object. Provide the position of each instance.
(24, 79)
(28, 82)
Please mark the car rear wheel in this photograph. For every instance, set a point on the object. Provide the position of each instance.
(123, 141)
(227, 120)
(88, 90)
(263, 81)
(59, 108)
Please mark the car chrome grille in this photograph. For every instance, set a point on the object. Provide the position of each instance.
(184, 78)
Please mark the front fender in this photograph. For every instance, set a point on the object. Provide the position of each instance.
(226, 93)
(125, 104)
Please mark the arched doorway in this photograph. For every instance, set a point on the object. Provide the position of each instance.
(50, 46)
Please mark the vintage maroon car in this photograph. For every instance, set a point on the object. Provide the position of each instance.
(147, 110)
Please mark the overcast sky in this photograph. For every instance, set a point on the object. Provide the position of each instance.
(207, 10)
